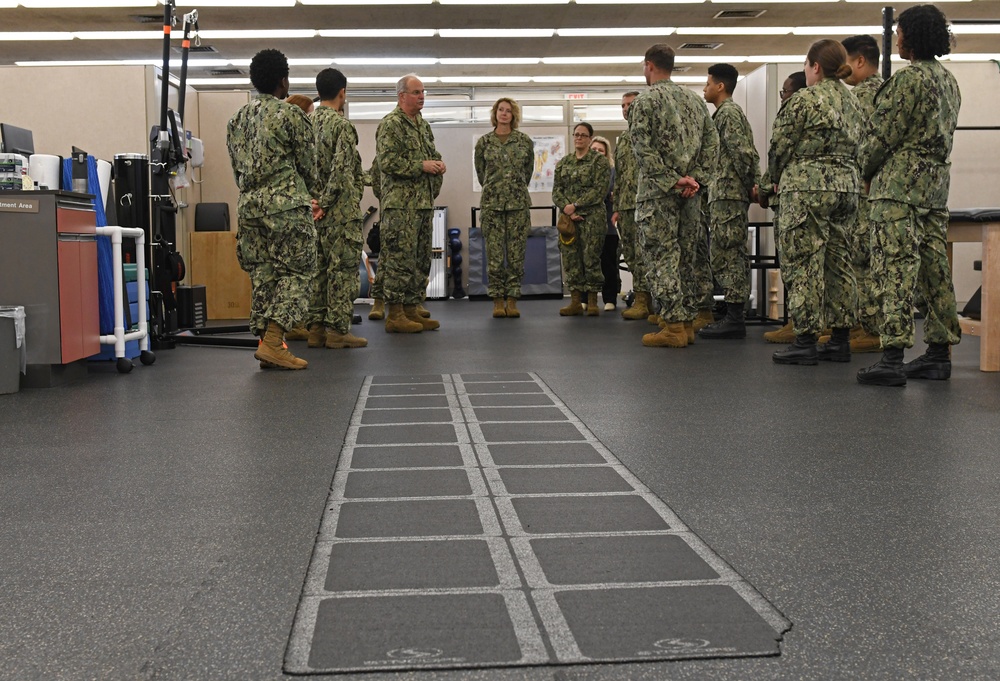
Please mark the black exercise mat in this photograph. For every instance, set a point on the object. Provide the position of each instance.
(461, 532)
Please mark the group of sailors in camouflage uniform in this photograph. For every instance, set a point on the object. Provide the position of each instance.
(861, 178)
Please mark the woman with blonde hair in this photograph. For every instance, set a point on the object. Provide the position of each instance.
(813, 163)
(505, 162)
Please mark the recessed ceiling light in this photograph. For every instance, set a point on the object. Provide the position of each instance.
(496, 32)
(615, 31)
(377, 32)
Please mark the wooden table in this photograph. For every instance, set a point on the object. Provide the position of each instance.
(982, 225)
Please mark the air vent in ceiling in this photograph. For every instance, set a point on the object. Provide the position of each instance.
(700, 46)
(225, 72)
(739, 14)
(197, 49)
(147, 18)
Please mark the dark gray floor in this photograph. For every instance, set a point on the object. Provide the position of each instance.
(159, 524)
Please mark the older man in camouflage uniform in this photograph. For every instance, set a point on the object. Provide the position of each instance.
(338, 168)
(906, 159)
(411, 170)
(271, 149)
(729, 201)
(676, 146)
(863, 56)
(626, 178)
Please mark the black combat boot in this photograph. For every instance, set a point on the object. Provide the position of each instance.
(935, 364)
(838, 348)
(731, 326)
(802, 351)
(887, 371)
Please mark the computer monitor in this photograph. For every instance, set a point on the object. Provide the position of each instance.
(16, 140)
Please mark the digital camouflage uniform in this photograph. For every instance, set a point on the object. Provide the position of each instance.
(407, 205)
(626, 177)
(861, 245)
(584, 182)
(504, 169)
(341, 178)
(906, 158)
(672, 137)
(271, 150)
(373, 179)
(729, 201)
(813, 159)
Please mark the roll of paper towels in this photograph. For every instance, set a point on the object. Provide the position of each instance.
(104, 177)
(45, 169)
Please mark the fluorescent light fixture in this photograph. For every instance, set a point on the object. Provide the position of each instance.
(837, 30)
(218, 81)
(766, 2)
(971, 56)
(8, 4)
(503, 2)
(481, 61)
(101, 62)
(777, 59)
(386, 61)
(612, 31)
(257, 34)
(236, 3)
(688, 80)
(37, 35)
(377, 33)
(382, 80)
(52, 4)
(496, 32)
(119, 35)
(486, 80)
(975, 29)
(636, 60)
(365, 2)
(206, 63)
(708, 59)
(314, 61)
(734, 30)
(639, 2)
(578, 80)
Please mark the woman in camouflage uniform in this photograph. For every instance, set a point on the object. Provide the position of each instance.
(581, 182)
(813, 161)
(906, 159)
(505, 162)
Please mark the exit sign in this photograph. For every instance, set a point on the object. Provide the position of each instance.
(576, 95)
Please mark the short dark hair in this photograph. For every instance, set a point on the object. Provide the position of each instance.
(661, 56)
(267, 69)
(725, 74)
(329, 83)
(585, 124)
(925, 31)
(862, 46)
(798, 80)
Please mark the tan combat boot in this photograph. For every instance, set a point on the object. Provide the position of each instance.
(297, 334)
(784, 335)
(671, 336)
(654, 319)
(423, 311)
(317, 335)
(704, 318)
(397, 322)
(574, 308)
(272, 350)
(866, 342)
(512, 311)
(498, 308)
(336, 340)
(414, 316)
(689, 330)
(640, 307)
(378, 309)
(592, 309)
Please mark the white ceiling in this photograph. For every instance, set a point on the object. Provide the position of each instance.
(405, 54)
